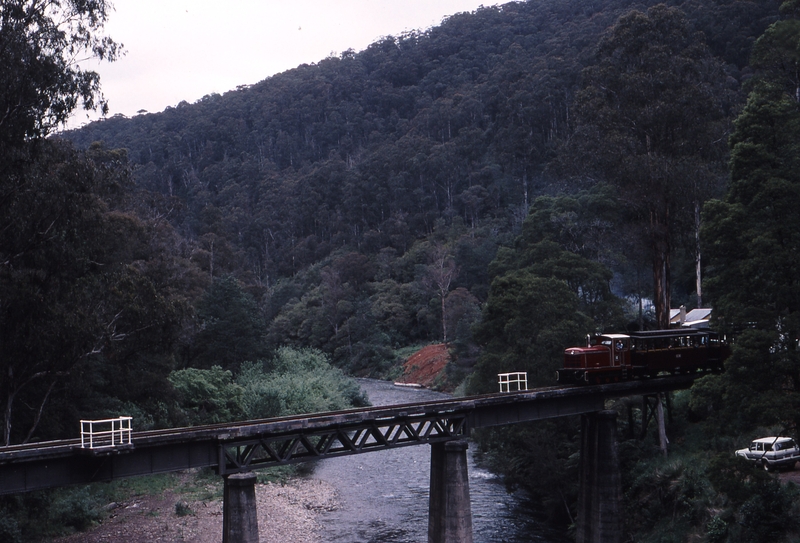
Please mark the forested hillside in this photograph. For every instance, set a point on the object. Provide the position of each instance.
(503, 183)
(361, 199)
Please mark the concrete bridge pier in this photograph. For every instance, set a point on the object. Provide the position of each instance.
(239, 510)
(600, 491)
(449, 512)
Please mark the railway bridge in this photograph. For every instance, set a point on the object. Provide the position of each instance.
(235, 450)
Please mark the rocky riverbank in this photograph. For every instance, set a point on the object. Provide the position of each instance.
(286, 512)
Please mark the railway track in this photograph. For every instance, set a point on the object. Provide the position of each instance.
(245, 445)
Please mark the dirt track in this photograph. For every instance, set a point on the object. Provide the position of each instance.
(791, 476)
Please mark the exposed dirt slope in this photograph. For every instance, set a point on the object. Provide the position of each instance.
(426, 366)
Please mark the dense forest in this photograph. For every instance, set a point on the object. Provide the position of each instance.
(360, 200)
(505, 183)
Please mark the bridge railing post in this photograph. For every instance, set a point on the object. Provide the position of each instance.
(239, 509)
(449, 511)
(600, 485)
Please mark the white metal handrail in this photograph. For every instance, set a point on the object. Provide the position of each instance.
(106, 432)
(518, 378)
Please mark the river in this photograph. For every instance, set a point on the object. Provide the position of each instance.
(384, 495)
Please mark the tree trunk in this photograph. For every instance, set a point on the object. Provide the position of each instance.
(9, 404)
(698, 272)
(661, 274)
(39, 413)
(660, 289)
(662, 432)
(444, 321)
(7, 428)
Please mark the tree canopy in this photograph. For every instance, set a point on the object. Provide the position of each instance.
(652, 121)
(753, 241)
(41, 82)
(324, 189)
(544, 296)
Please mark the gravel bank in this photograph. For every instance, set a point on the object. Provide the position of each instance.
(285, 513)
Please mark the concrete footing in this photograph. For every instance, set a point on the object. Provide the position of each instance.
(239, 510)
(449, 512)
(600, 492)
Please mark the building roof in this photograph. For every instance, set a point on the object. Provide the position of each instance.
(695, 316)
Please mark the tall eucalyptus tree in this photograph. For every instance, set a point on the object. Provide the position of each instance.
(50, 203)
(651, 122)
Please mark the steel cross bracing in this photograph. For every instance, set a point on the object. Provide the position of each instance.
(346, 439)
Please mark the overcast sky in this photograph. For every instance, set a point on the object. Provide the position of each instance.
(185, 49)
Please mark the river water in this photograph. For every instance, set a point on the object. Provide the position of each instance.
(384, 495)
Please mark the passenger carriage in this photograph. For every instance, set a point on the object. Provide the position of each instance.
(609, 358)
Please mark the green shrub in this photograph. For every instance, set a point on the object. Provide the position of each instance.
(716, 530)
(208, 396)
(9, 528)
(74, 508)
(182, 509)
(301, 381)
(767, 515)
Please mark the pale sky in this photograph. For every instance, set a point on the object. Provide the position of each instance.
(185, 49)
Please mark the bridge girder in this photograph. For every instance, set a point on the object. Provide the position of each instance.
(243, 456)
(250, 445)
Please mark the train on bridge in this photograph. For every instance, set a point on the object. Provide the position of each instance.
(609, 358)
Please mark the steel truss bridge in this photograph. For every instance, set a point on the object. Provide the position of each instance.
(244, 446)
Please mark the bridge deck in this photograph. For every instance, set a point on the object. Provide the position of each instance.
(243, 446)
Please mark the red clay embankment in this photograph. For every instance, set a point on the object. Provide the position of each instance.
(425, 367)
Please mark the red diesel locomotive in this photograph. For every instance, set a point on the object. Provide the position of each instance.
(609, 358)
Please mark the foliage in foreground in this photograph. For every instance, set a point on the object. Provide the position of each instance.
(294, 381)
(700, 493)
(694, 495)
(39, 516)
